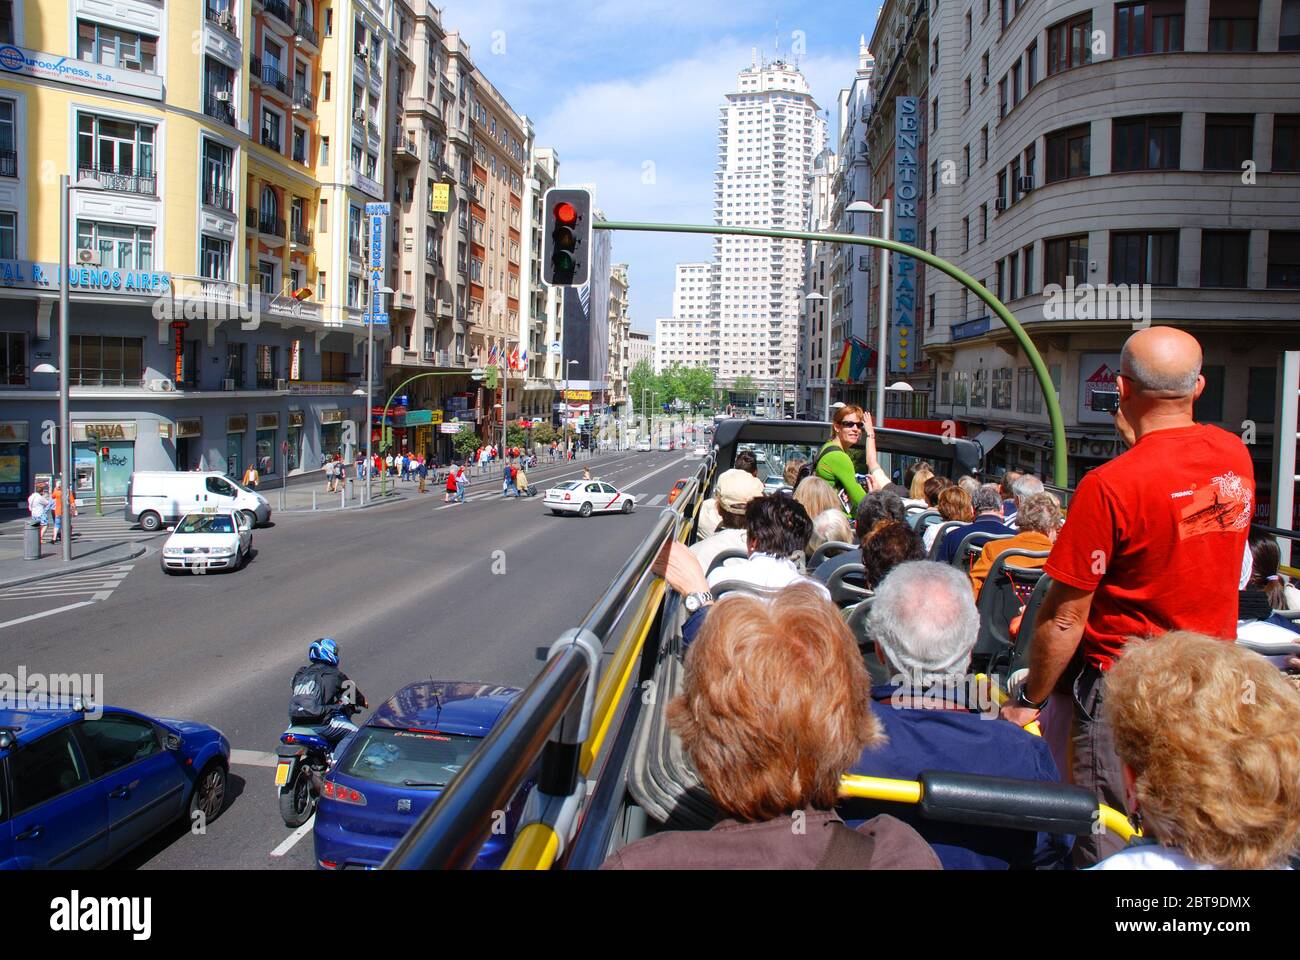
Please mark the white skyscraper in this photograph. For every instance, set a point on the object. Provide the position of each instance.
(769, 131)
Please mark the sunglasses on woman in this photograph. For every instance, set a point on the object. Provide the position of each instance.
(852, 425)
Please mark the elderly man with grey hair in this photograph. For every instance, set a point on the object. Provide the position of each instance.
(828, 526)
(923, 623)
(1023, 486)
(987, 502)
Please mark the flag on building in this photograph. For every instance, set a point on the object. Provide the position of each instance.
(514, 359)
(846, 362)
(493, 356)
(860, 361)
(523, 359)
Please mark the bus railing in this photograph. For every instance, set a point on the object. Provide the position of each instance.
(558, 725)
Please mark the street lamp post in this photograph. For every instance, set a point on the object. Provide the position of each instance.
(820, 298)
(370, 385)
(861, 206)
(565, 403)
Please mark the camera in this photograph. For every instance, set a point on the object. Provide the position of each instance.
(1104, 401)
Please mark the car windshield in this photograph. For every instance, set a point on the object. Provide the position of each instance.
(407, 757)
(772, 458)
(206, 523)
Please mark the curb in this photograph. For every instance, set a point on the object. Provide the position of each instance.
(136, 550)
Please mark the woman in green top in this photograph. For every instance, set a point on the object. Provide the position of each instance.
(835, 466)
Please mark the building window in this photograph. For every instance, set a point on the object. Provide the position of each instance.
(1233, 25)
(1029, 395)
(334, 365)
(1229, 140)
(1068, 153)
(1144, 256)
(1209, 406)
(1013, 276)
(8, 235)
(1001, 191)
(6, 21)
(1284, 258)
(112, 47)
(117, 153)
(214, 258)
(1065, 257)
(1146, 143)
(1148, 27)
(965, 234)
(965, 153)
(979, 387)
(1028, 272)
(8, 148)
(324, 151)
(984, 222)
(1286, 143)
(272, 124)
(1031, 66)
(354, 292)
(1289, 26)
(300, 137)
(268, 212)
(106, 361)
(1002, 97)
(966, 93)
(235, 363)
(218, 163)
(966, 28)
(120, 246)
(1224, 257)
(13, 359)
(268, 366)
(934, 114)
(984, 144)
(1069, 44)
(960, 388)
(1002, 388)
(1016, 74)
(1261, 394)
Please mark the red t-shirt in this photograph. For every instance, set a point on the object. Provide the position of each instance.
(1158, 535)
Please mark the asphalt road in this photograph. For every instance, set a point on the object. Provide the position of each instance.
(407, 589)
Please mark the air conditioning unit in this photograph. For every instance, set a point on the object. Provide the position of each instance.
(131, 63)
(162, 385)
(1025, 184)
(88, 257)
(1000, 204)
(222, 96)
(226, 19)
(227, 384)
(282, 384)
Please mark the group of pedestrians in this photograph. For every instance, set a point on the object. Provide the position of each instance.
(47, 509)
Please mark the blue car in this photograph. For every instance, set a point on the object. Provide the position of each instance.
(82, 789)
(393, 769)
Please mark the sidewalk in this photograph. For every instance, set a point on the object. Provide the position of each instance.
(14, 570)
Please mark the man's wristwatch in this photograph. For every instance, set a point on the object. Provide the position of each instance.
(1024, 701)
(694, 601)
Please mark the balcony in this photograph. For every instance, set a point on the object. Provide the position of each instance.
(306, 33)
(300, 236)
(223, 19)
(219, 198)
(303, 98)
(121, 179)
(255, 69)
(278, 9)
(372, 129)
(218, 108)
(251, 219)
(405, 150)
(272, 77)
(271, 226)
(8, 163)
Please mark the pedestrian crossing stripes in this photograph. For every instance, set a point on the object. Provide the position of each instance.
(85, 528)
(97, 584)
(654, 501)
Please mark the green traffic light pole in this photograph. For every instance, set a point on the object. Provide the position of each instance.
(383, 422)
(1059, 452)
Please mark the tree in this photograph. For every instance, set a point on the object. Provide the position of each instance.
(465, 442)
(642, 382)
(515, 435)
(543, 433)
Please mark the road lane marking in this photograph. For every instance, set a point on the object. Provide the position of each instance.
(47, 613)
(293, 838)
(655, 500)
(633, 483)
(254, 758)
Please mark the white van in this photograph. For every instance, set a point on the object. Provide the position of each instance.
(156, 497)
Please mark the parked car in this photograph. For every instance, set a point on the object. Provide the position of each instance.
(158, 497)
(393, 769)
(585, 497)
(81, 788)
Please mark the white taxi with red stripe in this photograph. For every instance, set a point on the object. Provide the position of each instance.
(585, 497)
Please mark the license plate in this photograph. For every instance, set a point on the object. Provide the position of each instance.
(282, 773)
(201, 566)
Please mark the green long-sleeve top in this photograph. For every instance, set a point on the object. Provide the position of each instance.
(836, 468)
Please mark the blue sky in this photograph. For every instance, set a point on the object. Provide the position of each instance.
(628, 94)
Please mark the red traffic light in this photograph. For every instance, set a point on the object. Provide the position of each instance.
(566, 214)
(103, 452)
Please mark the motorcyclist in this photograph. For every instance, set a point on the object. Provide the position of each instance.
(321, 691)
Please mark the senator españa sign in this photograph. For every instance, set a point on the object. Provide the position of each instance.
(79, 73)
(907, 168)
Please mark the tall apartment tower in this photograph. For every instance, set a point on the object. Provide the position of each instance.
(769, 132)
(684, 337)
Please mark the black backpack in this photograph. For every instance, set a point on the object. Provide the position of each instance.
(315, 690)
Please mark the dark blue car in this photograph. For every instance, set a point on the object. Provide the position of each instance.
(81, 789)
(394, 768)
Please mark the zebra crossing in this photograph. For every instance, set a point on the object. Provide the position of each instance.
(90, 585)
(86, 528)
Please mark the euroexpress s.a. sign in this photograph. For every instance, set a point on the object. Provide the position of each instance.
(81, 73)
(26, 275)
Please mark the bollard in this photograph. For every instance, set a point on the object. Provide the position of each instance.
(343, 497)
(32, 540)
(313, 499)
(282, 499)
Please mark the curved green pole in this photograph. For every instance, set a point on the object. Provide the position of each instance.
(383, 476)
(1059, 460)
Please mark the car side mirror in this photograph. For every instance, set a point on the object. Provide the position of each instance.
(172, 742)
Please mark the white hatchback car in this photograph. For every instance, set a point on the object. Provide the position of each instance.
(585, 497)
(213, 540)
(643, 446)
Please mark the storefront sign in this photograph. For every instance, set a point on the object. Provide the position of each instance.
(295, 418)
(268, 421)
(317, 388)
(79, 73)
(14, 432)
(907, 134)
(178, 331)
(1096, 373)
(103, 431)
(419, 418)
(28, 275)
(164, 430)
(295, 361)
(440, 201)
(1089, 447)
(331, 416)
(189, 428)
(577, 394)
(237, 424)
(452, 427)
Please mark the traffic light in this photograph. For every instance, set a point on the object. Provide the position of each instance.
(103, 453)
(566, 237)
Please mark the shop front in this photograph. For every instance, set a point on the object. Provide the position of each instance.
(421, 425)
(236, 427)
(331, 433)
(292, 448)
(103, 457)
(268, 425)
(189, 443)
(13, 460)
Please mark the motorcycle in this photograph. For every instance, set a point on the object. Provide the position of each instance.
(304, 759)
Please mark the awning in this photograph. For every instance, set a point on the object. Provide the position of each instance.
(987, 439)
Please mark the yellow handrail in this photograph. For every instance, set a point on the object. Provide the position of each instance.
(534, 849)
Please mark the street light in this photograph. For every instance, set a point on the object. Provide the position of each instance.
(566, 401)
(65, 349)
(861, 206)
(816, 297)
(370, 383)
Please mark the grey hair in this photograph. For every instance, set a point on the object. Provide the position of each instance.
(829, 525)
(969, 484)
(1040, 512)
(1025, 486)
(923, 618)
(987, 499)
(1182, 383)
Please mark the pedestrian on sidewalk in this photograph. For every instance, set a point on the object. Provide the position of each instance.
(422, 471)
(331, 476)
(251, 477)
(38, 507)
(57, 508)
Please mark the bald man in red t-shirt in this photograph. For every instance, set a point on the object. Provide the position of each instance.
(1153, 542)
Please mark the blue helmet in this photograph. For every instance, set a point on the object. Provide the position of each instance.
(324, 650)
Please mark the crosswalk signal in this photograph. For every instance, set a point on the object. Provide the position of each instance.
(103, 453)
(566, 237)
